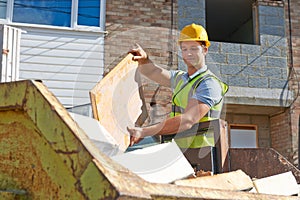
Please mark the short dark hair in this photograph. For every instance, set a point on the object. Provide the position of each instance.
(202, 43)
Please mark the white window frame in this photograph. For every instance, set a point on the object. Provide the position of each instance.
(74, 16)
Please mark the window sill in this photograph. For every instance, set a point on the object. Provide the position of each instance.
(39, 26)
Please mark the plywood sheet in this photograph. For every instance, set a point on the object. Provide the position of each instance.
(117, 101)
(234, 181)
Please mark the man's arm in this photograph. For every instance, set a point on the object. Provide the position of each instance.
(149, 69)
(193, 113)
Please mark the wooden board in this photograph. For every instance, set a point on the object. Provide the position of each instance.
(234, 181)
(118, 102)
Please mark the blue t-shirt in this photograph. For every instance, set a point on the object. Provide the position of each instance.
(209, 91)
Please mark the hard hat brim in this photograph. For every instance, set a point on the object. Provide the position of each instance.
(207, 43)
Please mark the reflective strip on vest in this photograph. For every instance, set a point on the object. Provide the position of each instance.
(214, 114)
(197, 141)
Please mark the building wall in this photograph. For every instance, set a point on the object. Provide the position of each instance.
(244, 65)
(292, 14)
(262, 122)
(70, 63)
(260, 67)
(285, 125)
(149, 23)
(153, 25)
(58, 46)
(281, 138)
(191, 12)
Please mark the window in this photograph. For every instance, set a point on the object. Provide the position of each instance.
(3, 4)
(88, 12)
(47, 12)
(230, 21)
(243, 136)
(64, 13)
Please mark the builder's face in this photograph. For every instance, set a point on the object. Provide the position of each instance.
(193, 54)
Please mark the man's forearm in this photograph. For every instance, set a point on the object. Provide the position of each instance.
(155, 73)
(168, 126)
(147, 67)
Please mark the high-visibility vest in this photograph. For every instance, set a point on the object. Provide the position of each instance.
(182, 93)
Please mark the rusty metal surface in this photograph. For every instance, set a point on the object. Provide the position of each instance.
(117, 101)
(13, 195)
(46, 154)
(261, 162)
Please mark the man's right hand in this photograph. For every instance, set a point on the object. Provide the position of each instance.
(139, 54)
(150, 69)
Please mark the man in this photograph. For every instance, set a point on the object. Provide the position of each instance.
(197, 93)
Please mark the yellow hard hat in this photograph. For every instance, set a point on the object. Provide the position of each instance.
(194, 32)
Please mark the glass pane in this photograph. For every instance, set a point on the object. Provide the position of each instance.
(3, 9)
(88, 12)
(242, 138)
(47, 12)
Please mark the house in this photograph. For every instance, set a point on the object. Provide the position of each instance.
(62, 44)
(254, 50)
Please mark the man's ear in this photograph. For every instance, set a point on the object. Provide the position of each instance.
(205, 50)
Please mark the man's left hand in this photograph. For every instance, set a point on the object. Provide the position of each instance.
(135, 135)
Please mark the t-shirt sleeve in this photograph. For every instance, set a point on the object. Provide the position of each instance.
(209, 91)
(173, 74)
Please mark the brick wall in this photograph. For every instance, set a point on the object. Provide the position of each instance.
(153, 25)
(262, 122)
(284, 131)
(280, 134)
(294, 134)
(150, 23)
(145, 13)
(292, 10)
(284, 126)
